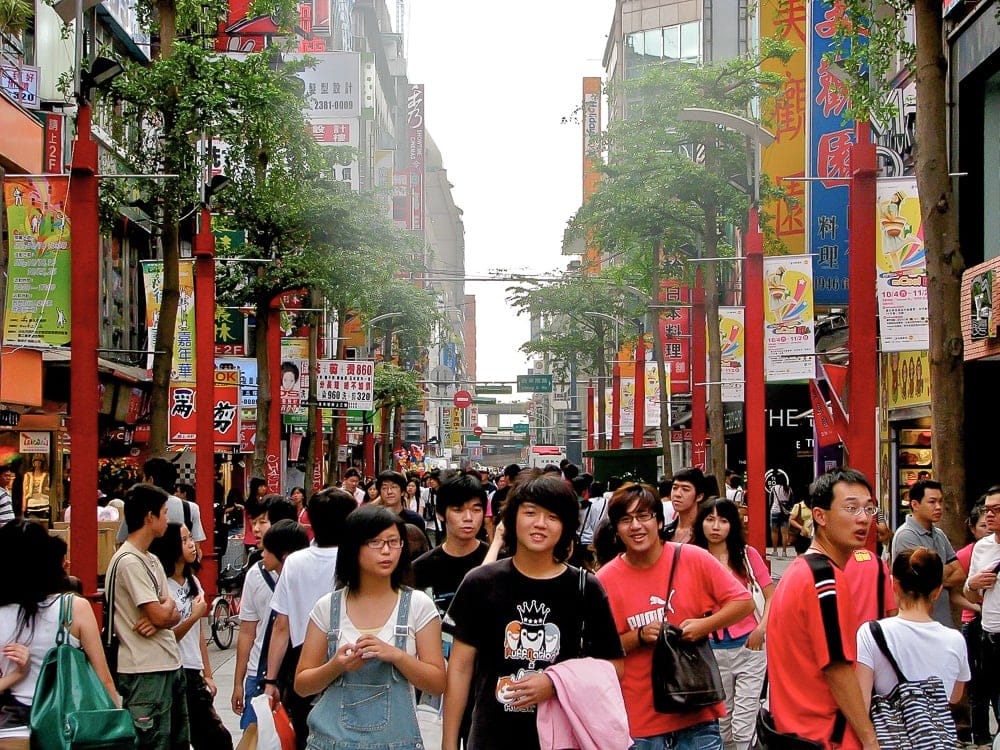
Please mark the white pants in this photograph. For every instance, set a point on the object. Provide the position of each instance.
(742, 677)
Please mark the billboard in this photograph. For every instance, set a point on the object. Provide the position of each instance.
(789, 319)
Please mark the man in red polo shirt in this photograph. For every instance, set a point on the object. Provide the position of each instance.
(812, 624)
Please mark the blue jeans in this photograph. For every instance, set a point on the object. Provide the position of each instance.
(704, 736)
(252, 687)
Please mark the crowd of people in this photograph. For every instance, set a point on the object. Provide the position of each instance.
(537, 606)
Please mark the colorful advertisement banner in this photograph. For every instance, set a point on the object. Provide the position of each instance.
(226, 410)
(788, 319)
(786, 118)
(345, 384)
(830, 141)
(181, 421)
(592, 161)
(38, 271)
(182, 369)
(675, 331)
(906, 377)
(626, 406)
(732, 332)
(294, 385)
(901, 258)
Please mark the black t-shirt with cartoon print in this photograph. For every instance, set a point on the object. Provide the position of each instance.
(520, 625)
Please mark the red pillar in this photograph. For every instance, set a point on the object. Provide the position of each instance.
(273, 469)
(640, 392)
(862, 376)
(616, 404)
(204, 311)
(84, 383)
(590, 415)
(698, 377)
(755, 400)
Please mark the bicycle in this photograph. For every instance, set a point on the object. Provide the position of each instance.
(226, 606)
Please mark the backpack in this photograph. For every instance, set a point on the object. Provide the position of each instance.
(915, 714)
(71, 709)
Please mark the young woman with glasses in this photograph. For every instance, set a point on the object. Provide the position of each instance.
(370, 642)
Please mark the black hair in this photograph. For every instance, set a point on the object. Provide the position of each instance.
(352, 472)
(169, 548)
(139, 500)
(292, 491)
(291, 367)
(391, 476)
(821, 490)
(711, 486)
(606, 543)
(161, 472)
(695, 476)
(26, 546)
(627, 494)
(597, 489)
(580, 485)
(328, 509)
(361, 526)
(457, 491)
(285, 537)
(919, 571)
(735, 542)
(663, 488)
(188, 491)
(918, 488)
(281, 509)
(261, 505)
(614, 483)
(253, 496)
(511, 471)
(551, 469)
(552, 494)
(570, 471)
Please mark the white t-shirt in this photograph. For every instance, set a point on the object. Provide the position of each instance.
(39, 639)
(986, 556)
(669, 514)
(255, 606)
(190, 644)
(422, 611)
(306, 575)
(921, 649)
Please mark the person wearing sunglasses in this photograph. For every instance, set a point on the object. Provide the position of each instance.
(370, 642)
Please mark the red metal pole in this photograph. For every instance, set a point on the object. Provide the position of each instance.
(204, 311)
(590, 415)
(274, 472)
(639, 428)
(84, 383)
(862, 300)
(755, 399)
(698, 377)
(616, 404)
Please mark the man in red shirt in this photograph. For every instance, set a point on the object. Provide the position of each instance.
(813, 623)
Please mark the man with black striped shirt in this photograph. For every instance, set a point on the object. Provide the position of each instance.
(812, 624)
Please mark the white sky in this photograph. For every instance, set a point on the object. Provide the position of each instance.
(499, 77)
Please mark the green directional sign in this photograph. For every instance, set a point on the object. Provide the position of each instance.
(483, 389)
(534, 384)
(485, 401)
(521, 428)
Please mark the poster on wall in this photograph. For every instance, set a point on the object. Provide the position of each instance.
(901, 258)
(37, 309)
(731, 340)
(981, 305)
(788, 319)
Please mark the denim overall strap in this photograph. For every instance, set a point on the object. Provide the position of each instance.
(333, 632)
(402, 617)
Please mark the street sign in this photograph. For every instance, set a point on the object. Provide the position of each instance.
(462, 399)
(487, 388)
(521, 428)
(487, 401)
(477, 430)
(534, 384)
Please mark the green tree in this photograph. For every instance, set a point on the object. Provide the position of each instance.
(870, 47)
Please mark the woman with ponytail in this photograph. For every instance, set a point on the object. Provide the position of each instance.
(921, 646)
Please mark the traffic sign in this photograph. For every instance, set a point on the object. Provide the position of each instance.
(489, 388)
(534, 384)
(462, 399)
(521, 428)
(477, 430)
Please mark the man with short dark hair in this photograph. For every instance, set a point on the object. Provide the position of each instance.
(812, 623)
(391, 487)
(150, 675)
(352, 478)
(686, 491)
(163, 474)
(919, 530)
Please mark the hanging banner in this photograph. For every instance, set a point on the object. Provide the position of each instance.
(38, 271)
(181, 421)
(675, 332)
(294, 373)
(182, 368)
(626, 405)
(225, 411)
(652, 417)
(826, 433)
(731, 347)
(345, 384)
(788, 319)
(902, 267)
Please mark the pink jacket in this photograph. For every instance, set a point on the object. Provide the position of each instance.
(587, 712)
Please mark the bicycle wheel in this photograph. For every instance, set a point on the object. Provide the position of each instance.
(222, 624)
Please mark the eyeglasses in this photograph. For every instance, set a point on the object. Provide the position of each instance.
(991, 510)
(857, 510)
(642, 517)
(379, 544)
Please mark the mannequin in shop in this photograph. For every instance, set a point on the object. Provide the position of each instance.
(36, 490)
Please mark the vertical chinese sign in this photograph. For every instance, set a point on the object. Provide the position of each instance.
(38, 289)
(591, 159)
(415, 158)
(830, 140)
(675, 332)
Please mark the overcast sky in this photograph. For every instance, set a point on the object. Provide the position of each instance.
(499, 78)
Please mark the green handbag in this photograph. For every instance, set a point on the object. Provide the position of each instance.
(71, 709)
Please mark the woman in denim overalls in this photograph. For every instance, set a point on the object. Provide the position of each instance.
(380, 642)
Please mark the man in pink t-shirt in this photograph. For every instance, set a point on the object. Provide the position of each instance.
(636, 583)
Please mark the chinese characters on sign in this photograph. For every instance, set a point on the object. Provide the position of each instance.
(345, 384)
(415, 134)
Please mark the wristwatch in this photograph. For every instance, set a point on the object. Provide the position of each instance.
(268, 681)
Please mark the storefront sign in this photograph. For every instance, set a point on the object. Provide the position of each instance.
(225, 412)
(788, 319)
(345, 384)
(20, 83)
(53, 155)
(333, 84)
(35, 442)
(38, 271)
(182, 428)
(980, 309)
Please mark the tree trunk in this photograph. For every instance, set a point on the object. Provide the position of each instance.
(170, 290)
(716, 420)
(264, 389)
(944, 267)
(312, 423)
(661, 370)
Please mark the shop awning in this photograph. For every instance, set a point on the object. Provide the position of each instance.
(127, 373)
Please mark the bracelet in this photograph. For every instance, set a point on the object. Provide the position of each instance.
(268, 681)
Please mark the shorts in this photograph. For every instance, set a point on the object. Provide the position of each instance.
(779, 520)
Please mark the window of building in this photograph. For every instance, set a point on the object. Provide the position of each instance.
(678, 43)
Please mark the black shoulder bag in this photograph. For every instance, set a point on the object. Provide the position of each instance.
(685, 674)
